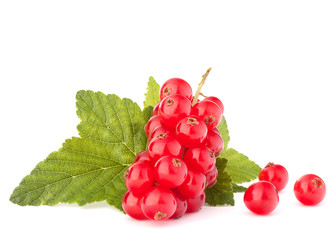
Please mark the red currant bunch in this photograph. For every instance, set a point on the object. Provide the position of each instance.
(169, 178)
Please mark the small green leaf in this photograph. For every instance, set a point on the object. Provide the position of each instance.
(152, 96)
(221, 193)
(240, 167)
(90, 168)
(238, 188)
(223, 129)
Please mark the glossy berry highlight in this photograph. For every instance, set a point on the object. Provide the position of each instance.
(310, 189)
(275, 174)
(158, 203)
(191, 131)
(175, 86)
(261, 197)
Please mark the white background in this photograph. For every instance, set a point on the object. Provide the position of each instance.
(274, 67)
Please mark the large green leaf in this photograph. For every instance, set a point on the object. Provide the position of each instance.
(89, 168)
(240, 167)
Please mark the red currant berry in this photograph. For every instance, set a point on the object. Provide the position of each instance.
(211, 177)
(195, 204)
(194, 184)
(156, 109)
(275, 174)
(160, 130)
(174, 108)
(158, 203)
(170, 171)
(217, 101)
(200, 158)
(261, 197)
(131, 205)
(175, 86)
(191, 131)
(143, 157)
(209, 112)
(310, 189)
(181, 207)
(152, 123)
(163, 145)
(214, 142)
(139, 177)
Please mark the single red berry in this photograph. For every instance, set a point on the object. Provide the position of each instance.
(310, 189)
(152, 123)
(160, 130)
(163, 145)
(275, 174)
(139, 177)
(211, 177)
(214, 142)
(261, 197)
(174, 108)
(181, 202)
(191, 131)
(209, 112)
(131, 205)
(156, 109)
(170, 171)
(158, 203)
(200, 158)
(195, 204)
(143, 157)
(194, 184)
(217, 101)
(175, 86)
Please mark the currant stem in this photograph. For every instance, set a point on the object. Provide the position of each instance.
(200, 85)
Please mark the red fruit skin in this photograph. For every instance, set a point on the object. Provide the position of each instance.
(209, 112)
(310, 189)
(181, 202)
(170, 171)
(191, 131)
(261, 197)
(131, 205)
(158, 203)
(164, 145)
(152, 123)
(143, 157)
(139, 177)
(194, 184)
(216, 131)
(159, 130)
(174, 108)
(200, 158)
(275, 174)
(156, 109)
(211, 177)
(214, 142)
(195, 204)
(217, 101)
(176, 86)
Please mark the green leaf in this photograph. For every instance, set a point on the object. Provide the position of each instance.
(221, 193)
(238, 188)
(223, 129)
(89, 168)
(240, 167)
(152, 96)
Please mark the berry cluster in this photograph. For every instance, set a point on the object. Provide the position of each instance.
(169, 178)
(262, 197)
